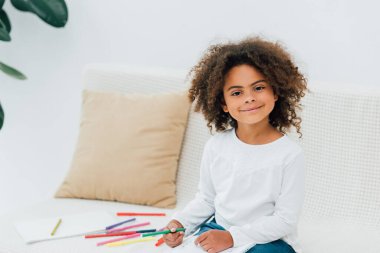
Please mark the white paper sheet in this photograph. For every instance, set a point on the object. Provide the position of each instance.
(188, 246)
(72, 225)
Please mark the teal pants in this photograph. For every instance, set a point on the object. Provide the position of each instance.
(278, 246)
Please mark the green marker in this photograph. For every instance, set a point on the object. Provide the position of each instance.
(164, 232)
(56, 227)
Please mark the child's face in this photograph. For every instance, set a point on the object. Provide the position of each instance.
(249, 98)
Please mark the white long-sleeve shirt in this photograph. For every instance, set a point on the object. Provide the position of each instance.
(255, 191)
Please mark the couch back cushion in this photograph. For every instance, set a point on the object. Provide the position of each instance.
(341, 140)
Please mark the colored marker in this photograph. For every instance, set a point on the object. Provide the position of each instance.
(120, 223)
(127, 227)
(140, 214)
(119, 233)
(118, 239)
(162, 232)
(112, 244)
(56, 227)
(159, 242)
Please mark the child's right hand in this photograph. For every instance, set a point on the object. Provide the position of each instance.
(176, 238)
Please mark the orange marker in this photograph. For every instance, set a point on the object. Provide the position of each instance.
(160, 241)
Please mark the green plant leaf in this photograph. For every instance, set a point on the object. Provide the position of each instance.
(12, 72)
(1, 117)
(2, 3)
(53, 12)
(5, 19)
(4, 34)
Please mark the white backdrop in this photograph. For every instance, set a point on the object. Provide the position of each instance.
(333, 41)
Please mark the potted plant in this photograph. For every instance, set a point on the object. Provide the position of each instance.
(52, 12)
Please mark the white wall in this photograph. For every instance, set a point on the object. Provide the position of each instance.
(333, 41)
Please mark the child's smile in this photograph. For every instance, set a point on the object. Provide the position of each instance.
(252, 109)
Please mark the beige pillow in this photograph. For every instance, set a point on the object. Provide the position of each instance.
(128, 148)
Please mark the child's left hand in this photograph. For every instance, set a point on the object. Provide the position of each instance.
(214, 240)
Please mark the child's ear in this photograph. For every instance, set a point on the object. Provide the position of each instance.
(275, 97)
(224, 106)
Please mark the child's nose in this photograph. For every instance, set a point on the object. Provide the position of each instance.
(250, 97)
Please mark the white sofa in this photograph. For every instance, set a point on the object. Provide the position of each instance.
(341, 139)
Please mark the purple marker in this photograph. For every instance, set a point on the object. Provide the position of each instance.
(120, 223)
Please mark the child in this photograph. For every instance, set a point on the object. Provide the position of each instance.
(252, 175)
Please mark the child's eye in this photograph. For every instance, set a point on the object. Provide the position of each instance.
(259, 88)
(236, 93)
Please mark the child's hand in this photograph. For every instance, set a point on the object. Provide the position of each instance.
(214, 240)
(176, 238)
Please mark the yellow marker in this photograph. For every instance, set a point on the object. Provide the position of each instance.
(56, 227)
(131, 241)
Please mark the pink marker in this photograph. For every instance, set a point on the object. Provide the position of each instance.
(127, 227)
(118, 239)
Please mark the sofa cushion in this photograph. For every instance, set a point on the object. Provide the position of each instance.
(128, 148)
(322, 234)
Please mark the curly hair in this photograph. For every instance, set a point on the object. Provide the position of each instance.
(271, 59)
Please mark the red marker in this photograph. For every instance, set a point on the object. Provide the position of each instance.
(120, 233)
(140, 214)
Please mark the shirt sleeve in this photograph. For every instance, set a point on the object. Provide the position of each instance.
(287, 209)
(202, 206)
